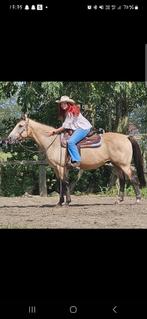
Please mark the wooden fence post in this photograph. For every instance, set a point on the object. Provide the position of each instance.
(0, 179)
(42, 178)
(145, 164)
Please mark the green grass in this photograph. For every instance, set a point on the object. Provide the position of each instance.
(113, 192)
(129, 191)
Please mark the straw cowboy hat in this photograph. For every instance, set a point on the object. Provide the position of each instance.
(65, 99)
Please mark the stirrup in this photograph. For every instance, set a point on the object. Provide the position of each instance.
(69, 164)
(76, 164)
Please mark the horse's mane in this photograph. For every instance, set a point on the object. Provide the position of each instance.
(40, 126)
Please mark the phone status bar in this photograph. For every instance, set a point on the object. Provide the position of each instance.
(114, 7)
(86, 9)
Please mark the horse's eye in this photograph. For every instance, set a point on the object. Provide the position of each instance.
(20, 125)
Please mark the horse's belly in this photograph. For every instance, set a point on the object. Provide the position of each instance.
(89, 166)
(93, 158)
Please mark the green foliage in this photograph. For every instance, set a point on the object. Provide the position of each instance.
(129, 191)
(94, 181)
(8, 89)
(18, 179)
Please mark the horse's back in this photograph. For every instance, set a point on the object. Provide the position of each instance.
(116, 139)
(112, 135)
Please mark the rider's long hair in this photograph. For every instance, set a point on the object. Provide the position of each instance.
(73, 109)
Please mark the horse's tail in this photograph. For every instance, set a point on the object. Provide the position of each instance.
(138, 161)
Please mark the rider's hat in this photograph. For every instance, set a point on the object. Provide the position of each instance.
(65, 99)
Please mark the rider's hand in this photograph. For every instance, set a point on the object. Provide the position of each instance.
(51, 132)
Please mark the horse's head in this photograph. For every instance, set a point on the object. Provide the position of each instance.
(20, 131)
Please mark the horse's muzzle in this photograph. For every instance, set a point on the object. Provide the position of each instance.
(12, 140)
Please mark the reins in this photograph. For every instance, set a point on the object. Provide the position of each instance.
(30, 148)
(27, 148)
(52, 142)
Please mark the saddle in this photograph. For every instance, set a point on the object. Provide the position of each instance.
(91, 140)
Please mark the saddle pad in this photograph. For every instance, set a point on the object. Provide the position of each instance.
(92, 141)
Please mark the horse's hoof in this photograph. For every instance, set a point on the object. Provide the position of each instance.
(67, 204)
(59, 204)
(119, 201)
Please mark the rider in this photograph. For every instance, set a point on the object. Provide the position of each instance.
(74, 120)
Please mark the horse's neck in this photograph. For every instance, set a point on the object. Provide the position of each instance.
(39, 132)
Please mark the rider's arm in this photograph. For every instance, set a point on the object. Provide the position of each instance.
(56, 130)
(59, 130)
(65, 125)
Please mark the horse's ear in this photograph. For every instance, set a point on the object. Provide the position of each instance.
(24, 116)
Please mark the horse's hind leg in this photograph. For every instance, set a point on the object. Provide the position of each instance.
(134, 180)
(121, 186)
(121, 176)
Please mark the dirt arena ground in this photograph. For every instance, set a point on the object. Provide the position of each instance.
(90, 211)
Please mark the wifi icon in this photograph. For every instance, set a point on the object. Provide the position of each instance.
(101, 7)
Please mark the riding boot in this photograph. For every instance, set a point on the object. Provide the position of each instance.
(74, 164)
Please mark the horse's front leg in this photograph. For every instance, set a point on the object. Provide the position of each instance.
(59, 174)
(66, 187)
(67, 192)
(61, 193)
(64, 190)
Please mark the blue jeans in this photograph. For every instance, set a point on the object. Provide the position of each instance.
(76, 137)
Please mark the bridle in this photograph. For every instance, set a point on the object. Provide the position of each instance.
(25, 128)
(22, 129)
(20, 138)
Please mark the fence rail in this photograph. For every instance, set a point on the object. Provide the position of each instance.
(23, 162)
(42, 172)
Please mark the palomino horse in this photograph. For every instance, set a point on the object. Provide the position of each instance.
(115, 148)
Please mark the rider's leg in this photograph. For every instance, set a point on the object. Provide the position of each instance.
(76, 137)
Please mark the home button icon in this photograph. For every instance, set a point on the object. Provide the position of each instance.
(73, 309)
